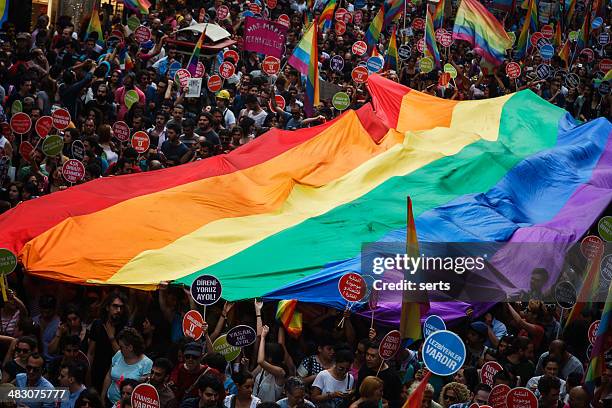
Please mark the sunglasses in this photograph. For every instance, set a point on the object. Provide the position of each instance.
(190, 357)
(21, 350)
(450, 398)
(33, 369)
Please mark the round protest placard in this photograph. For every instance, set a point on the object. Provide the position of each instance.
(226, 70)
(543, 71)
(604, 227)
(591, 246)
(8, 261)
(443, 353)
(78, 150)
(231, 54)
(142, 34)
(418, 24)
(420, 45)
(140, 141)
(255, 8)
(175, 66)
(573, 35)
(426, 64)
(513, 70)
(592, 335)
(547, 51)
(521, 398)
(271, 3)
(446, 39)
(565, 294)
(404, 52)
(359, 48)
(359, 74)
(535, 37)
(52, 145)
(433, 324)
(16, 107)
(214, 83)
(133, 22)
(43, 126)
(390, 344)
(588, 53)
(358, 16)
(451, 70)
(145, 396)
(199, 70)
(439, 33)
(121, 131)
(241, 336)
(73, 171)
(25, 149)
(182, 76)
(488, 371)
(604, 88)
(547, 31)
(336, 63)
(596, 23)
(604, 38)
(222, 347)
(497, 397)
(284, 20)
(341, 101)
(271, 65)
(352, 287)
(605, 268)
(340, 12)
(280, 102)
(375, 64)
(222, 12)
(61, 119)
(21, 123)
(206, 290)
(572, 81)
(340, 27)
(130, 98)
(193, 325)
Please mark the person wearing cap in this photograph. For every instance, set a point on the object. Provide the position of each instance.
(223, 102)
(185, 375)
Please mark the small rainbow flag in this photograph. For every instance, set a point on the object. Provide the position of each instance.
(603, 340)
(94, 26)
(570, 6)
(589, 288)
(125, 60)
(438, 15)
(375, 52)
(305, 59)
(557, 36)
(431, 47)
(481, 29)
(391, 58)
(192, 66)
(141, 6)
(583, 35)
(300, 59)
(327, 16)
(565, 51)
(393, 9)
(529, 25)
(376, 26)
(4, 9)
(289, 318)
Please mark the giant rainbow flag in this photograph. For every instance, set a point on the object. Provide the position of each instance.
(285, 216)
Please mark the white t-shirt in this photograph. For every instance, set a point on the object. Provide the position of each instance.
(227, 403)
(327, 383)
(266, 387)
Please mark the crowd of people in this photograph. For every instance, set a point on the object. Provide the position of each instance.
(100, 343)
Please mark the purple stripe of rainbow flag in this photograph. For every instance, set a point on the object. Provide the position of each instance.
(327, 16)
(142, 6)
(375, 28)
(431, 48)
(438, 15)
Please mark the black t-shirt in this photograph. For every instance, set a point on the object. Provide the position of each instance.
(103, 353)
(173, 151)
(392, 381)
(12, 369)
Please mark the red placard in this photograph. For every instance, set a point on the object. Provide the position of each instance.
(140, 141)
(591, 246)
(347, 18)
(193, 324)
(497, 397)
(447, 39)
(547, 31)
(284, 20)
(118, 34)
(359, 48)
(214, 83)
(73, 170)
(21, 123)
(280, 102)
(231, 54)
(142, 34)
(226, 70)
(255, 8)
(418, 24)
(593, 331)
(360, 74)
(61, 119)
(521, 398)
(589, 54)
(340, 13)
(535, 37)
(25, 149)
(352, 287)
(271, 4)
(199, 70)
(488, 370)
(340, 27)
(421, 45)
(271, 65)
(183, 77)
(358, 17)
(121, 131)
(513, 70)
(43, 126)
(605, 65)
(439, 33)
(145, 396)
(390, 344)
(222, 12)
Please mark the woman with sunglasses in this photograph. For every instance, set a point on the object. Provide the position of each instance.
(454, 393)
(24, 346)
